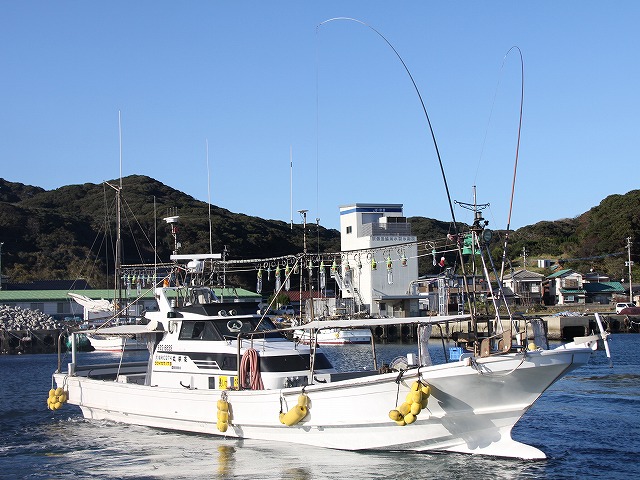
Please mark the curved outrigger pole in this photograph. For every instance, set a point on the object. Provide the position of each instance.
(435, 144)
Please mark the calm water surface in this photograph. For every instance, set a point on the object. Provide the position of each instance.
(588, 424)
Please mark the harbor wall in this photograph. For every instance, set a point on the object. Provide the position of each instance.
(14, 342)
(564, 328)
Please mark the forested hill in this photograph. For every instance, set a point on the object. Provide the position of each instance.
(67, 233)
(595, 240)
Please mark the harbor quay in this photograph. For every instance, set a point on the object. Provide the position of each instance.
(559, 327)
(15, 342)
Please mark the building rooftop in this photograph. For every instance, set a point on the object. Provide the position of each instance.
(39, 296)
(561, 273)
(603, 287)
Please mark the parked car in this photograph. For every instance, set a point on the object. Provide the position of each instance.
(286, 310)
(622, 306)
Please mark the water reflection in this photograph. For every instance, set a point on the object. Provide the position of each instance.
(226, 460)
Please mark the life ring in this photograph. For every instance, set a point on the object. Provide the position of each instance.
(234, 325)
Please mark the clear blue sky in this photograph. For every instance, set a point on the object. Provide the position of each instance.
(256, 78)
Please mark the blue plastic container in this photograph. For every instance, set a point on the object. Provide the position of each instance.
(455, 353)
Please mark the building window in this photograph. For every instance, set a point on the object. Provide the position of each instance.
(37, 306)
(63, 307)
(349, 229)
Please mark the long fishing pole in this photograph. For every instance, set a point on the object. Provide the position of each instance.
(515, 166)
(435, 144)
(424, 109)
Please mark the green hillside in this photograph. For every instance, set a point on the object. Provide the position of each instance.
(68, 233)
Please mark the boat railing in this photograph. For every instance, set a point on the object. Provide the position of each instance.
(109, 371)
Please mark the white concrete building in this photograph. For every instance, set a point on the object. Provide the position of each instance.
(380, 279)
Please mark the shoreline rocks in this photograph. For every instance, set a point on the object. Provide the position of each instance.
(16, 318)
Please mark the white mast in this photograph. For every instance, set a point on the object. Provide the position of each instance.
(209, 197)
(118, 226)
(291, 184)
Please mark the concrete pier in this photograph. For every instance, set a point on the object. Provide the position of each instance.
(28, 341)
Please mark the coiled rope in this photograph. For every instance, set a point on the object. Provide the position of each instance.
(250, 370)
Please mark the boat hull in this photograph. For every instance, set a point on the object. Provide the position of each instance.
(106, 343)
(472, 408)
(335, 336)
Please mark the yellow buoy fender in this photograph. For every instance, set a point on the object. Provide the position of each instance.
(294, 415)
(414, 397)
(409, 418)
(223, 415)
(415, 401)
(303, 400)
(57, 398)
(404, 408)
(395, 415)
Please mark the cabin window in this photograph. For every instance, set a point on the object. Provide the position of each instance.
(231, 327)
(349, 229)
(200, 330)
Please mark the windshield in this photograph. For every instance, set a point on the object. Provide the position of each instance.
(228, 327)
(232, 326)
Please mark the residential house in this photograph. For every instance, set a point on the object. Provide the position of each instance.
(525, 285)
(565, 287)
(603, 293)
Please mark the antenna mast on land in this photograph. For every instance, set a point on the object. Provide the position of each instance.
(629, 264)
(291, 185)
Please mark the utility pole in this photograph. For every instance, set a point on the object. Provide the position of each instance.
(303, 213)
(224, 271)
(629, 263)
(1, 244)
(304, 230)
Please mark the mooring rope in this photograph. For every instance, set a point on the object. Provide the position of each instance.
(250, 370)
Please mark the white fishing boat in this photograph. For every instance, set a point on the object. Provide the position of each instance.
(115, 343)
(334, 336)
(102, 313)
(221, 369)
